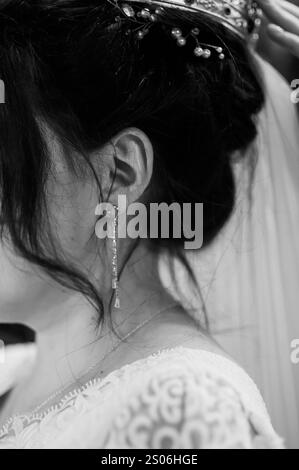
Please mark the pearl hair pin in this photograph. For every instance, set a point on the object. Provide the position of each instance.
(145, 17)
(201, 50)
(242, 17)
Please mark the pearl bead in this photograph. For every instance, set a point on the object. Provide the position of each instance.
(206, 53)
(144, 13)
(176, 32)
(181, 42)
(128, 11)
(140, 35)
(198, 51)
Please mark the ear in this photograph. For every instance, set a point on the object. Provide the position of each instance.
(127, 163)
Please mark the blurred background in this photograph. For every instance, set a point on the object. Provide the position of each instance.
(282, 60)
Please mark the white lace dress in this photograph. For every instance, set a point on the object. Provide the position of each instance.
(180, 398)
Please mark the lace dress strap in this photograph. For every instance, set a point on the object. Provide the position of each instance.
(190, 399)
(180, 398)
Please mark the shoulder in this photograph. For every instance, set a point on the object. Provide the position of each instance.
(179, 398)
(181, 404)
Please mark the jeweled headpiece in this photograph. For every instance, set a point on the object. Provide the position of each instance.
(242, 17)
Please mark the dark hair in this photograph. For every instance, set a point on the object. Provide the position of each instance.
(63, 62)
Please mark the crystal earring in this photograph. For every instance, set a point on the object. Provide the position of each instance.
(115, 278)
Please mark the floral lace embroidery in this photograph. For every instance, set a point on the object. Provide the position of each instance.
(182, 411)
(180, 398)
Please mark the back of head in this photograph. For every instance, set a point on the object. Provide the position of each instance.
(83, 68)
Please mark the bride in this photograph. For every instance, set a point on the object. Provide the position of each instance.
(159, 102)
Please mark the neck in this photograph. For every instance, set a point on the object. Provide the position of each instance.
(27, 296)
(65, 322)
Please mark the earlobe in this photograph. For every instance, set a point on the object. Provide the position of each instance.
(133, 159)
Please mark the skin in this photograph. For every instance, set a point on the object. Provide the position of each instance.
(68, 339)
(284, 23)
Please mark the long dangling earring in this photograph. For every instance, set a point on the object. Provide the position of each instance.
(115, 278)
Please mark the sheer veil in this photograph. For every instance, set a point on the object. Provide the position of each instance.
(249, 276)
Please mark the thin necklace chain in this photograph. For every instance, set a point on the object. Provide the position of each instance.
(93, 367)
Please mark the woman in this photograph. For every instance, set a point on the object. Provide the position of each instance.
(249, 275)
(105, 99)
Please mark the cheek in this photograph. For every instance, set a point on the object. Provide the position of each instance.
(71, 201)
(71, 210)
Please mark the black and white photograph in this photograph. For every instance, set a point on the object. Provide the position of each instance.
(149, 229)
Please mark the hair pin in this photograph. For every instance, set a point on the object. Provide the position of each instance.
(145, 17)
